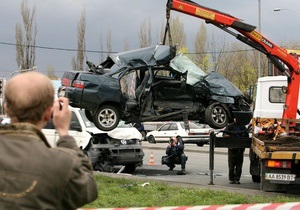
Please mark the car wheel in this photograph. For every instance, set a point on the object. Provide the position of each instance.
(151, 139)
(129, 168)
(106, 118)
(89, 115)
(216, 116)
(200, 144)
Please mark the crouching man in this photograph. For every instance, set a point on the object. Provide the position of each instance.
(175, 154)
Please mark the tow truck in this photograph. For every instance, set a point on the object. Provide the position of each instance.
(274, 145)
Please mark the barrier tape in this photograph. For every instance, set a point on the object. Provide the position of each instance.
(263, 206)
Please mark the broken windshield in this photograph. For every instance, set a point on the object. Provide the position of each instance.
(182, 63)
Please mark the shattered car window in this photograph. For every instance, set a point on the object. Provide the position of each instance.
(182, 64)
(128, 83)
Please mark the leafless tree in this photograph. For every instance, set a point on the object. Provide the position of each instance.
(25, 43)
(126, 44)
(216, 50)
(177, 33)
(145, 36)
(201, 57)
(50, 72)
(78, 63)
(101, 58)
(108, 42)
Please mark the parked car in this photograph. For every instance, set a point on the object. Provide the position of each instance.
(119, 147)
(197, 134)
(150, 84)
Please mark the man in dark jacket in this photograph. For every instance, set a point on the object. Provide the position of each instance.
(235, 155)
(34, 175)
(175, 153)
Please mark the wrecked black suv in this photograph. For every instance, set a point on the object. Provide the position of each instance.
(149, 84)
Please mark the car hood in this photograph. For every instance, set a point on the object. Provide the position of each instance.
(129, 133)
(154, 55)
(219, 85)
(119, 133)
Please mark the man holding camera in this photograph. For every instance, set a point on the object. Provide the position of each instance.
(34, 175)
(175, 152)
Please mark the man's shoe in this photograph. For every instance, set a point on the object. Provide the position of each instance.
(232, 182)
(237, 182)
(181, 172)
(171, 168)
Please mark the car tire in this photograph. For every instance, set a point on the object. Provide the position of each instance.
(89, 115)
(216, 116)
(200, 144)
(106, 118)
(151, 139)
(129, 168)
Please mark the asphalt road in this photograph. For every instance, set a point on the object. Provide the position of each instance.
(198, 173)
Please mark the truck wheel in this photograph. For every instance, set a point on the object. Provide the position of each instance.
(256, 179)
(89, 115)
(151, 139)
(216, 116)
(129, 168)
(106, 118)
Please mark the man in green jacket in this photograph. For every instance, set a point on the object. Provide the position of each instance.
(34, 175)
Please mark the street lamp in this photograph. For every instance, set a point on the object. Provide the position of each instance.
(280, 9)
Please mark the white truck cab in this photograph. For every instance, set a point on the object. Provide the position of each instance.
(269, 97)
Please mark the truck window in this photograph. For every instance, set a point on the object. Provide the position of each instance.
(276, 95)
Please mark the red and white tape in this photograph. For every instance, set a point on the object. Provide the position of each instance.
(262, 206)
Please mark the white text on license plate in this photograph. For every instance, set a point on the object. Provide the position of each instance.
(280, 177)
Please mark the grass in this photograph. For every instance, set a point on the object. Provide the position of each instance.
(123, 192)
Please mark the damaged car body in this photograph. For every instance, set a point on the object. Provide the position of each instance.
(115, 148)
(149, 84)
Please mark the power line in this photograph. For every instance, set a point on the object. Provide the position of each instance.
(99, 51)
(55, 48)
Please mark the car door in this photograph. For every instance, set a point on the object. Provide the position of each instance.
(166, 131)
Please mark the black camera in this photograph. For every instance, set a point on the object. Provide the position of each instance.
(171, 140)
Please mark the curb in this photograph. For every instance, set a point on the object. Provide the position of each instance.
(263, 206)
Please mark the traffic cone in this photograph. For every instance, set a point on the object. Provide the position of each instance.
(151, 161)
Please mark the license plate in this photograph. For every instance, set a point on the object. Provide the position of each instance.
(280, 177)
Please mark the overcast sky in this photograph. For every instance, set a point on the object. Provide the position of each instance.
(57, 25)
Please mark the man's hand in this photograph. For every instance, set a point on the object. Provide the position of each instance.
(61, 116)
